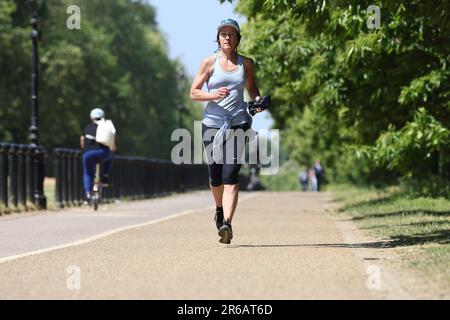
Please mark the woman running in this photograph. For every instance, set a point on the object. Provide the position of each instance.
(226, 75)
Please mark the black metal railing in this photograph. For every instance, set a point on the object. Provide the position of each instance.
(18, 188)
(131, 178)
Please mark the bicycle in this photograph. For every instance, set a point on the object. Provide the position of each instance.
(96, 196)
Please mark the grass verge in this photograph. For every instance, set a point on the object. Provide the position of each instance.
(418, 226)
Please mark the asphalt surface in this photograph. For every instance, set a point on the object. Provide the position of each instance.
(285, 246)
(19, 234)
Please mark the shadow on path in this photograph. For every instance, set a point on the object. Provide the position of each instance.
(404, 213)
(441, 237)
(378, 201)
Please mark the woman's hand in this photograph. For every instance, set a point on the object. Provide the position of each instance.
(223, 92)
(257, 99)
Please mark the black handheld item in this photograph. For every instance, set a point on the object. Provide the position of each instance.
(263, 103)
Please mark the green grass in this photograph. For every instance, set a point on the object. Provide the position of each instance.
(418, 226)
(49, 192)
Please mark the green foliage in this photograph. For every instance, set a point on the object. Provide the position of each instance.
(286, 179)
(369, 103)
(118, 60)
(431, 186)
(412, 150)
(15, 58)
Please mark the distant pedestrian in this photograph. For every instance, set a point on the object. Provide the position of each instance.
(320, 174)
(313, 180)
(303, 178)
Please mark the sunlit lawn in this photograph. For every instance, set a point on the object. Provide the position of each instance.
(419, 223)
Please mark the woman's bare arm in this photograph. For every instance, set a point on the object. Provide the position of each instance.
(197, 94)
(250, 81)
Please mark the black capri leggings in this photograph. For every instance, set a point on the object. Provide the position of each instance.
(226, 173)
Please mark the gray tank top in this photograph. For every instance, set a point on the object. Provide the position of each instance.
(232, 109)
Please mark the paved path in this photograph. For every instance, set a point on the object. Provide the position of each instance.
(285, 247)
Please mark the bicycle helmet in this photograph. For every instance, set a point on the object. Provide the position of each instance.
(97, 113)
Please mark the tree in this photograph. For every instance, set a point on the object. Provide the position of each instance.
(340, 87)
(118, 61)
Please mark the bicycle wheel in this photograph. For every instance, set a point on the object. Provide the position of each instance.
(95, 203)
(96, 190)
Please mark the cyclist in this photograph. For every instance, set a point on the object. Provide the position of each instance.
(93, 153)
